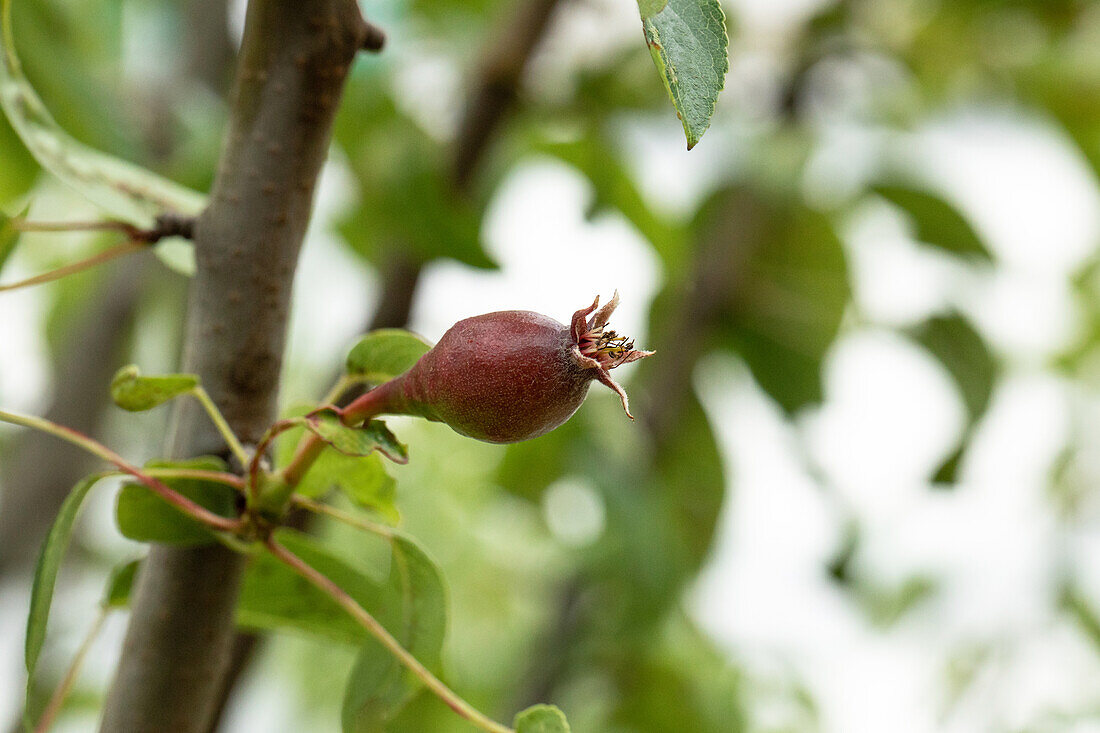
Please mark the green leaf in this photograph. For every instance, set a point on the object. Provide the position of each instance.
(937, 222)
(120, 584)
(379, 685)
(791, 293)
(965, 355)
(9, 236)
(410, 603)
(541, 719)
(125, 190)
(145, 517)
(136, 393)
(383, 354)
(363, 479)
(688, 42)
(358, 441)
(45, 572)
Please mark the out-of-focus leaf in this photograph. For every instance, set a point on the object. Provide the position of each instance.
(790, 296)
(120, 584)
(675, 679)
(383, 354)
(937, 222)
(379, 685)
(45, 572)
(1084, 613)
(962, 350)
(410, 603)
(541, 719)
(123, 189)
(531, 466)
(406, 199)
(964, 353)
(143, 516)
(688, 42)
(20, 168)
(136, 393)
(363, 479)
(9, 236)
(358, 441)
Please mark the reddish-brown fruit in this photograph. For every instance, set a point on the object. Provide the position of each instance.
(507, 376)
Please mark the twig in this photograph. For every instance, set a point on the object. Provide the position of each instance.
(367, 621)
(318, 507)
(218, 419)
(115, 252)
(57, 699)
(193, 510)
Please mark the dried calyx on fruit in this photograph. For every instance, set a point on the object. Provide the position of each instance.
(507, 376)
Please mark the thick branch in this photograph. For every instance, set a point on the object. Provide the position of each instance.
(496, 84)
(294, 60)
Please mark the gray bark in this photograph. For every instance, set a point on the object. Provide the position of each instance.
(294, 59)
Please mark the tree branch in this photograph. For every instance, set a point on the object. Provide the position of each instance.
(294, 59)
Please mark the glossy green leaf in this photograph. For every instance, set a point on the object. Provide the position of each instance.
(379, 685)
(125, 190)
(144, 516)
(383, 354)
(45, 572)
(688, 42)
(966, 356)
(363, 479)
(136, 393)
(120, 585)
(541, 719)
(936, 222)
(358, 441)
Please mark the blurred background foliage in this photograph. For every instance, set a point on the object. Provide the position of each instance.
(571, 559)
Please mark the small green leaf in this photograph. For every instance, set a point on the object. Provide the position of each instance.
(125, 190)
(45, 572)
(688, 42)
(363, 479)
(382, 355)
(9, 236)
(145, 517)
(379, 685)
(120, 584)
(358, 441)
(937, 222)
(134, 392)
(541, 719)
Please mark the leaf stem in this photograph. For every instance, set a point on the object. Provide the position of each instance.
(57, 699)
(76, 226)
(318, 507)
(367, 621)
(115, 252)
(220, 423)
(185, 505)
(269, 436)
(218, 477)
